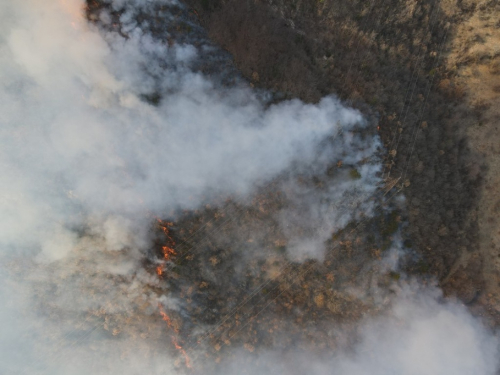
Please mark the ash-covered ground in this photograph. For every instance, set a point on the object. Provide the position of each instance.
(161, 215)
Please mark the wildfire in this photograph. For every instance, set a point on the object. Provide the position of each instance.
(164, 226)
(182, 351)
(168, 249)
(168, 252)
(167, 319)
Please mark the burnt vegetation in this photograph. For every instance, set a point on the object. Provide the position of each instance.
(382, 58)
(238, 287)
(385, 58)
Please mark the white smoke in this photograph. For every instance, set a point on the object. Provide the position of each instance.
(317, 212)
(417, 336)
(78, 142)
(86, 165)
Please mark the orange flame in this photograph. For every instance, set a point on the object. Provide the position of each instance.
(183, 352)
(167, 319)
(164, 227)
(168, 252)
(168, 249)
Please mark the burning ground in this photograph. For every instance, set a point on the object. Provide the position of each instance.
(159, 215)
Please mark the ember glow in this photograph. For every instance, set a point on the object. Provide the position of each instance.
(159, 270)
(168, 252)
(160, 216)
(167, 319)
(183, 352)
(168, 246)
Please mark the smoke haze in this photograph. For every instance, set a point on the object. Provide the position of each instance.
(89, 161)
(417, 336)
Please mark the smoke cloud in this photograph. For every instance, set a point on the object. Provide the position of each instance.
(79, 143)
(418, 335)
(103, 133)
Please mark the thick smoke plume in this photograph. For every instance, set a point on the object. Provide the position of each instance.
(102, 133)
(81, 148)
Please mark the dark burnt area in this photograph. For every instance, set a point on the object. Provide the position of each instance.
(308, 51)
(387, 56)
(233, 278)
